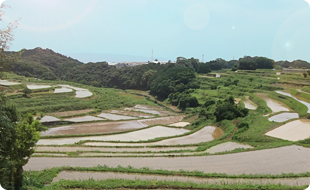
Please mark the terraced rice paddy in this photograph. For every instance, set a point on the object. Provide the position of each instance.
(141, 135)
(249, 104)
(35, 86)
(70, 113)
(206, 134)
(94, 128)
(228, 146)
(150, 110)
(80, 92)
(292, 131)
(83, 119)
(115, 117)
(180, 124)
(274, 105)
(47, 119)
(74, 175)
(62, 90)
(130, 113)
(289, 159)
(7, 83)
(283, 117)
(289, 95)
(108, 149)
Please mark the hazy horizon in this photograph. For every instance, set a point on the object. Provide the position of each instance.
(128, 30)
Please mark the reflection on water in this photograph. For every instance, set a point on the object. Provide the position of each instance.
(217, 133)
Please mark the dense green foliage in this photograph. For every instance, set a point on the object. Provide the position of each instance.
(44, 64)
(249, 63)
(18, 137)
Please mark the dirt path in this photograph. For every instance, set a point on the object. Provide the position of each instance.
(289, 159)
(66, 175)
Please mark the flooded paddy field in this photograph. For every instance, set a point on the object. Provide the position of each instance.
(289, 95)
(47, 119)
(275, 106)
(205, 134)
(36, 86)
(289, 159)
(155, 110)
(80, 92)
(62, 90)
(249, 104)
(292, 131)
(109, 127)
(228, 146)
(141, 135)
(107, 149)
(130, 113)
(283, 117)
(115, 117)
(7, 83)
(94, 128)
(83, 119)
(180, 124)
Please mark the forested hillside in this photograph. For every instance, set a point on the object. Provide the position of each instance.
(43, 63)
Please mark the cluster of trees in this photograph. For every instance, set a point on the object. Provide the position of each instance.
(298, 64)
(221, 110)
(252, 63)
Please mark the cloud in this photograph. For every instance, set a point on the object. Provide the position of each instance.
(308, 1)
(1, 1)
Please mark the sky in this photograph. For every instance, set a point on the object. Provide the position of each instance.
(128, 30)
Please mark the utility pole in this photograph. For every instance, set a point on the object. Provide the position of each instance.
(152, 59)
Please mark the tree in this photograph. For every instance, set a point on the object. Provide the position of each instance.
(6, 37)
(17, 142)
(305, 75)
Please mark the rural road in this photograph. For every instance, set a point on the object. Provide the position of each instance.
(289, 159)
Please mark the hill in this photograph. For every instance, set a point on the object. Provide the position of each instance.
(43, 63)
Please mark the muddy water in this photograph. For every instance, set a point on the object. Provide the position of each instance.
(141, 135)
(249, 104)
(206, 134)
(275, 106)
(289, 95)
(66, 175)
(292, 131)
(283, 117)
